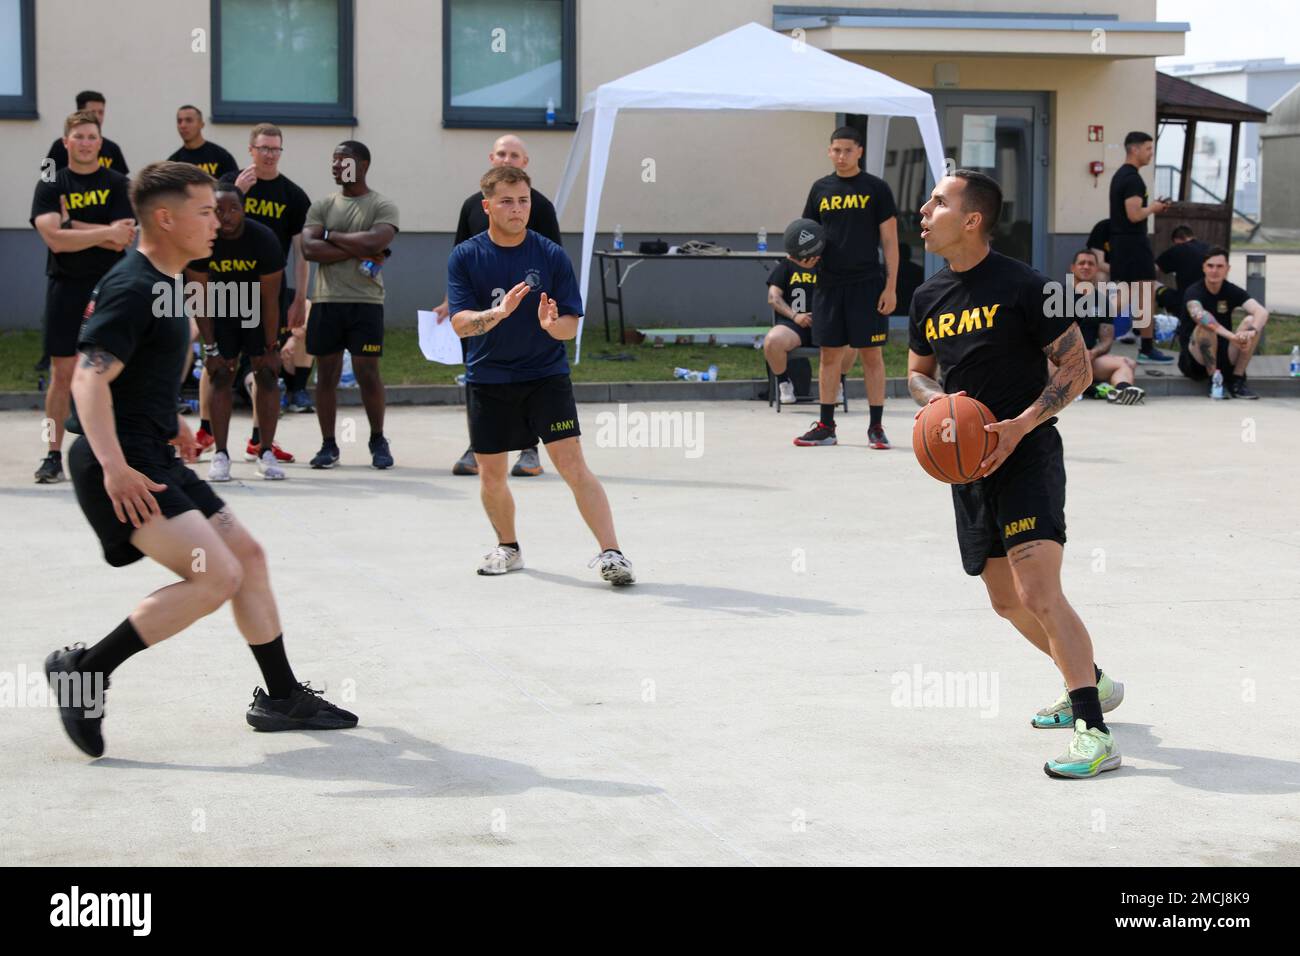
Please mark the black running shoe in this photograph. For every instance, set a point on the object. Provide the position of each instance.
(327, 457)
(1239, 389)
(80, 701)
(819, 434)
(50, 471)
(380, 456)
(307, 709)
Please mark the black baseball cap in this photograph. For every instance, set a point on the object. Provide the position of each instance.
(804, 239)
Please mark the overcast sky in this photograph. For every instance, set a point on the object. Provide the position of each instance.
(1235, 29)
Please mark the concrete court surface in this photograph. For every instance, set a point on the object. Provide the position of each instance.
(760, 697)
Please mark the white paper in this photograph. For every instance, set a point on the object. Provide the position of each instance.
(978, 139)
(438, 340)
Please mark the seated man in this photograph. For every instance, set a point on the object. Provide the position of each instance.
(1206, 340)
(790, 290)
(1112, 374)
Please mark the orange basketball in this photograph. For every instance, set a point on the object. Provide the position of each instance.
(949, 438)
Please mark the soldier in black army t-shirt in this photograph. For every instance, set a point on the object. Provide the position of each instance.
(1129, 257)
(984, 320)
(1206, 339)
(854, 299)
(110, 155)
(196, 150)
(140, 499)
(247, 263)
(84, 216)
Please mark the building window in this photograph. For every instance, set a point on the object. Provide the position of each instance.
(505, 63)
(282, 61)
(18, 59)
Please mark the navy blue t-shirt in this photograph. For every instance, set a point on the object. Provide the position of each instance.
(479, 273)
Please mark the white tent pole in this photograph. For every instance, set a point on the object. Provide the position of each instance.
(933, 145)
(573, 164)
(602, 132)
(877, 136)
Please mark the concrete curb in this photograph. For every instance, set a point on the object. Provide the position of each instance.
(738, 390)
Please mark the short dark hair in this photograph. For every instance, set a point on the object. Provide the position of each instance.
(502, 174)
(357, 149)
(981, 194)
(190, 106)
(1214, 251)
(228, 186)
(89, 96)
(1083, 252)
(1136, 138)
(162, 180)
(1183, 232)
(847, 132)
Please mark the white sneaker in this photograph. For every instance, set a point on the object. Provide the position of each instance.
(839, 394)
(501, 560)
(269, 468)
(219, 470)
(614, 568)
(786, 392)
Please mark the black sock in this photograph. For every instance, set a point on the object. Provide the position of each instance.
(280, 682)
(1086, 707)
(616, 551)
(256, 437)
(784, 376)
(1096, 671)
(300, 378)
(1145, 348)
(876, 412)
(121, 643)
(56, 454)
(828, 415)
(376, 436)
(223, 451)
(1123, 385)
(508, 544)
(329, 442)
(206, 425)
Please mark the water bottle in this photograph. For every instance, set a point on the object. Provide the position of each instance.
(618, 238)
(1295, 361)
(550, 111)
(681, 372)
(711, 375)
(460, 379)
(1216, 388)
(348, 379)
(762, 240)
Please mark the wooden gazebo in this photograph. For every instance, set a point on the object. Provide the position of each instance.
(1184, 103)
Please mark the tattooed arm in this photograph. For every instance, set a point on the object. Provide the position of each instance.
(468, 323)
(1073, 373)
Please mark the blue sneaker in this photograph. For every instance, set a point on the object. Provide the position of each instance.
(1154, 357)
(327, 457)
(380, 456)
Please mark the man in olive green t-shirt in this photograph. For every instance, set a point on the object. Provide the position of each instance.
(347, 235)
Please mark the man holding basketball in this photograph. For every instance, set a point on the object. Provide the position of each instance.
(983, 318)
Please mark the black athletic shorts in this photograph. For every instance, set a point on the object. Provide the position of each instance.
(1024, 500)
(1195, 370)
(65, 308)
(355, 326)
(805, 334)
(847, 315)
(156, 460)
(514, 415)
(234, 338)
(1131, 259)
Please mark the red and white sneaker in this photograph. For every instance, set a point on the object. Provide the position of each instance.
(251, 453)
(876, 438)
(204, 439)
(819, 434)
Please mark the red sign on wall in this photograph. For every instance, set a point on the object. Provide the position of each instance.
(1095, 134)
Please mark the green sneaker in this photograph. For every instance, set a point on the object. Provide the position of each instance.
(1090, 752)
(1103, 390)
(1060, 714)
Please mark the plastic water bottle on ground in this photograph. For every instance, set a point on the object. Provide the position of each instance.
(711, 375)
(618, 238)
(1295, 361)
(762, 240)
(348, 379)
(1216, 387)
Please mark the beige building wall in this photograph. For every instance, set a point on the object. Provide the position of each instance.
(715, 172)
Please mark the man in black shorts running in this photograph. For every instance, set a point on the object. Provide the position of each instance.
(854, 300)
(514, 300)
(507, 150)
(139, 499)
(84, 216)
(984, 319)
(241, 277)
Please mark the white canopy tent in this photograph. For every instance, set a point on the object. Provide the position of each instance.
(724, 74)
